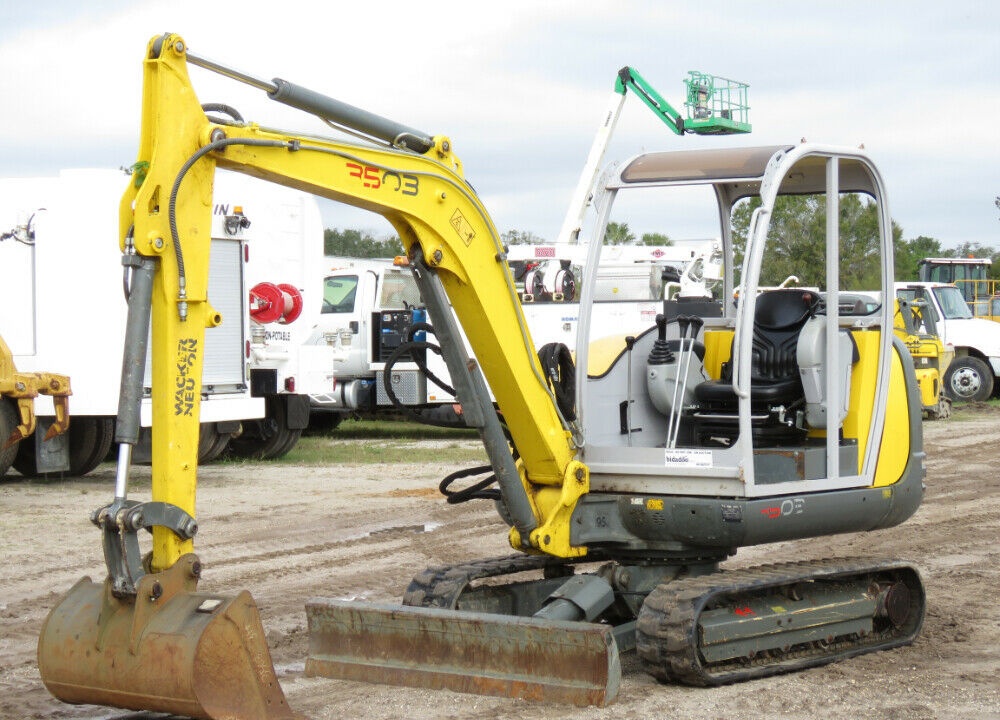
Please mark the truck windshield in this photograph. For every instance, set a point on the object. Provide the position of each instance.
(953, 305)
(339, 293)
(399, 291)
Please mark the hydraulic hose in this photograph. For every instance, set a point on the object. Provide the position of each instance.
(557, 362)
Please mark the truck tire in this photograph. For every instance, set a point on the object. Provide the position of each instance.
(968, 379)
(268, 438)
(941, 411)
(89, 442)
(211, 443)
(323, 423)
(8, 421)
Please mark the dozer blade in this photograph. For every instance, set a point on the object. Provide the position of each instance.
(169, 650)
(481, 653)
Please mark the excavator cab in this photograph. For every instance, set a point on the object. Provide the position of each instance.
(621, 497)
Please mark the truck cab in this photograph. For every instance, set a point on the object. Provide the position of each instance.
(972, 375)
(369, 306)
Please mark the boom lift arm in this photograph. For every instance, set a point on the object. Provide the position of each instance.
(715, 106)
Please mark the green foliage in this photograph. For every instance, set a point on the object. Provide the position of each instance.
(909, 252)
(618, 234)
(359, 244)
(797, 240)
(651, 239)
(520, 237)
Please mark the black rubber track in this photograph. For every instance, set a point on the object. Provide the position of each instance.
(667, 634)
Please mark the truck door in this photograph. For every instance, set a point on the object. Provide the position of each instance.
(348, 298)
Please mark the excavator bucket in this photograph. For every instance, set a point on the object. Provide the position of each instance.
(169, 649)
(482, 653)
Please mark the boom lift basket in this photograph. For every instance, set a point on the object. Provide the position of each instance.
(715, 105)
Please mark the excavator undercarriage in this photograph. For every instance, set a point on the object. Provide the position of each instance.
(699, 626)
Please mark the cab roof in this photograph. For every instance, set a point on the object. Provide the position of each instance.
(739, 171)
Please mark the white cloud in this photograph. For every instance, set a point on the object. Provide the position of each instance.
(520, 86)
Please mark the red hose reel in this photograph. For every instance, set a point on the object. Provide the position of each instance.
(270, 303)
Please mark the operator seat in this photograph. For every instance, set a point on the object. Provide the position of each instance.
(775, 384)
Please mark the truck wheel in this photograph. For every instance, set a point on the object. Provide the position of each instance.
(323, 423)
(211, 443)
(968, 379)
(268, 438)
(941, 411)
(89, 442)
(83, 460)
(8, 421)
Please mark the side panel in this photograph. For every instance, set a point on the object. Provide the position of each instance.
(72, 284)
(224, 354)
(68, 292)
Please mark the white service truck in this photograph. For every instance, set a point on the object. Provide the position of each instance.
(63, 287)
(284, 269)
(974, 373)
(372, 308)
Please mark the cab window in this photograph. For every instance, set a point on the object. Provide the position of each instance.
(339, 293)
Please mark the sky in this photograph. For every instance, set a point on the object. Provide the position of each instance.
(521, 86)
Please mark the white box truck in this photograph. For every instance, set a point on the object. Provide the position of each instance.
(61, 284)
(369, 306)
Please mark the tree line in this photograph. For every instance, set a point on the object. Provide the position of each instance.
(796, 242)
(362, 244)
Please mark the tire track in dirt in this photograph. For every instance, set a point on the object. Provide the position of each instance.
(288, 533)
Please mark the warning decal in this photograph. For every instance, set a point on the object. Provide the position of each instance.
(462, 227)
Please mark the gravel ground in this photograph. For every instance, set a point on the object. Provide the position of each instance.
(289, 533)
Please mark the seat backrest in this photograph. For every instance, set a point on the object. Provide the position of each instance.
(778, 319)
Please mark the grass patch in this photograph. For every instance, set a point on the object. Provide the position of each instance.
(362, 442)
(327, 450)
(973, 410)
(394, 429)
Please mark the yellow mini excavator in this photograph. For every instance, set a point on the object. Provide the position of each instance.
(725, 425)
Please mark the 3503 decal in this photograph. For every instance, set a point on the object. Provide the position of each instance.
(374, 178)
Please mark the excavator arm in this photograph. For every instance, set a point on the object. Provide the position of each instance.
(443, 226)
(416, 182)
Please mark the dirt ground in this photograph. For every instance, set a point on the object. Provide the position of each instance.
(289, 533)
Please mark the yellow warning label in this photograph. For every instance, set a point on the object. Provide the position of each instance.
(462, 227)
(654, 504)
